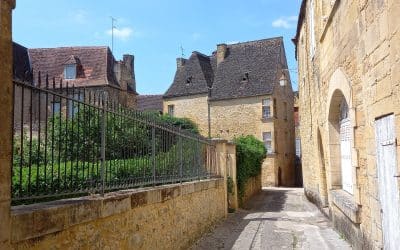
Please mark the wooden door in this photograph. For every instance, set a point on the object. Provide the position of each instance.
(387, 178)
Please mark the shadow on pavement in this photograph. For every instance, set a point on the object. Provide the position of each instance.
(226, 233)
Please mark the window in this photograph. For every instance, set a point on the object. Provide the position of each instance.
(245, 77)
(56, 107)
(73, 107)
(267, 138)
(70, 71)
(266, 108)
(275, 110)
(171, 110)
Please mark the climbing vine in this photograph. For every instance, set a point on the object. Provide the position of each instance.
(250, 153)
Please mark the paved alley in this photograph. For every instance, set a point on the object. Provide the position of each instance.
(277, 218)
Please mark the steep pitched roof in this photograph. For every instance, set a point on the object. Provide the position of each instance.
(95, 65)
(150, 103)
(21, 64)
(249, 69)
(193, 77)
(256, 61)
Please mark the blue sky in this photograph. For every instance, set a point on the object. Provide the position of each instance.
(154, 30)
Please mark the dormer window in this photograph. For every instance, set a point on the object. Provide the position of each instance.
(245, 77)
(70, 71)
(189, 80)
(71, 67)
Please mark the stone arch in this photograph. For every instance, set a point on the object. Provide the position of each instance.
(339, 96)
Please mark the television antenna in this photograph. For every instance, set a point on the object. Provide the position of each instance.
(182, 54)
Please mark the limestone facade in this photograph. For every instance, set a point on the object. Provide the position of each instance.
(348, 56)
(194, 107)
(213, 92)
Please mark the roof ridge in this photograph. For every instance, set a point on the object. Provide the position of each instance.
(260, 40)
(69, 47)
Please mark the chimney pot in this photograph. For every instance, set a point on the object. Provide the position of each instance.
(180, 62)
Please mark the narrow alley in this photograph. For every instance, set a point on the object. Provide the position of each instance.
(276, 218)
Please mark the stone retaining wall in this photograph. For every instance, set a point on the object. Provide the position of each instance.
(252, 187)
(165, 217)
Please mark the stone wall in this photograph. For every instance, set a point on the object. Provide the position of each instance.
(243, 116)
(193, 107)
(357, 55)
(165, 217)
(6, 104)
(252, 187)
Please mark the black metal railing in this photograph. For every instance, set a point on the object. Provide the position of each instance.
(72, 141)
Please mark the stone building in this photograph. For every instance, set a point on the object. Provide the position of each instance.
(93, 69)
(88, 67)
(348, 54)
(241, 89)
(151, 103)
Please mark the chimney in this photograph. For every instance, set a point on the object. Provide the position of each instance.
(180, 62)
(126, 70)
(221, 52)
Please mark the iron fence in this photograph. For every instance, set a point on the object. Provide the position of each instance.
(72, 141)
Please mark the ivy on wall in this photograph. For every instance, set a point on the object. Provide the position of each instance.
(250, 153)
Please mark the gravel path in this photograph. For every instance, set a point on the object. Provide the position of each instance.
(277, 218)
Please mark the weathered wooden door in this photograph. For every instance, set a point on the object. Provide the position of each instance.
(387, 177)
(345, 152)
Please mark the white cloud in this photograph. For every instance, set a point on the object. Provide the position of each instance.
(121, 33)
(287, 22)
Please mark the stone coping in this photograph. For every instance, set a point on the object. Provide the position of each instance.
(37, 220)
(345, 203)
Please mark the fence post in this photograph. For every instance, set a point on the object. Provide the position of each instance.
(180, 156)
(198, 157)
(153, 152)
(103, 142)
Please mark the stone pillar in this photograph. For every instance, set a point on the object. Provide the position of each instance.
(6, 104)
(220, 151)
(232, 173)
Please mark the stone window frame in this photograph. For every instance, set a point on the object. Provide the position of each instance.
(340, 83)
(266, 106)
(171, 109)
(268, 140)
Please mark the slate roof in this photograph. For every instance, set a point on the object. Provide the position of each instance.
(257, 61)
(193, 78)
(150, 103)
(21, 64)
(95, 65)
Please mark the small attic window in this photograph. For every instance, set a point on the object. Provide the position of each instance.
(189, 80)
(245, 77)
(70, 71)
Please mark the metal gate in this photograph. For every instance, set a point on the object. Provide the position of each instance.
(387, 176)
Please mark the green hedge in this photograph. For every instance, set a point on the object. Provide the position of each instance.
(250, 153)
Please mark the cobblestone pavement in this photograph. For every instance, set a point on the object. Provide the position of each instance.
(277, 218)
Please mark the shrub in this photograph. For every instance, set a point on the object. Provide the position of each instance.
(250, 153)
